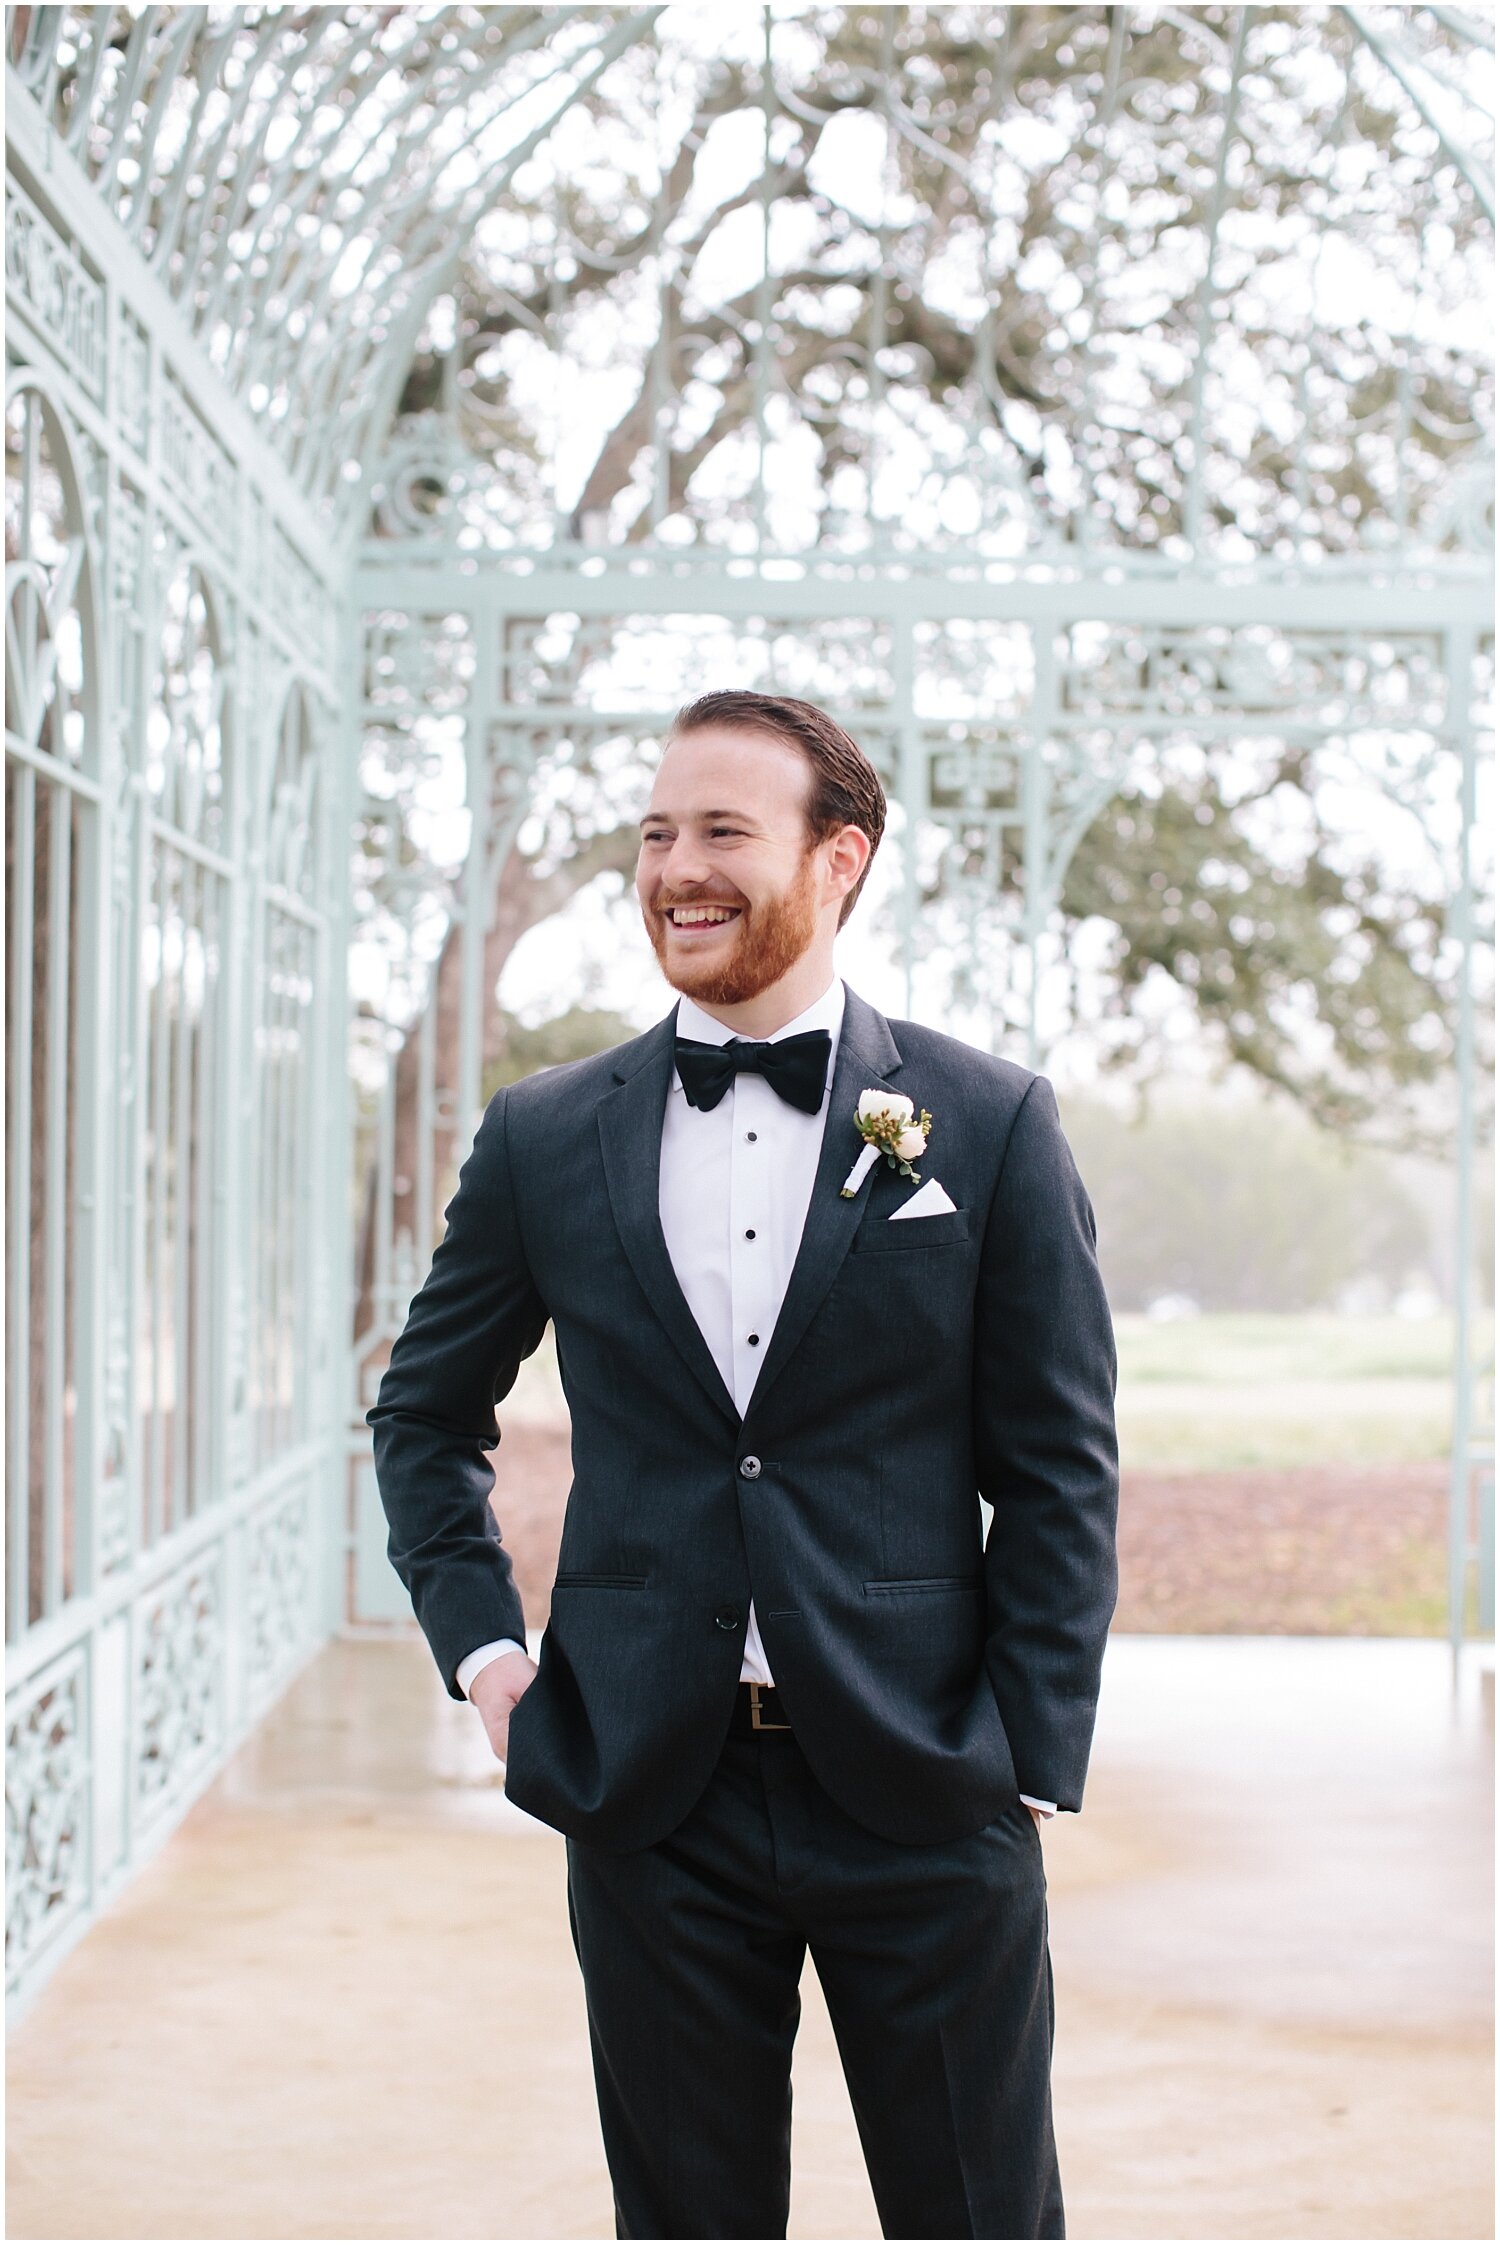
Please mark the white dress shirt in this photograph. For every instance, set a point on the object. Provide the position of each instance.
(733, 1193)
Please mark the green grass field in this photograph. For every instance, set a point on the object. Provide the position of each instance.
(1223, 1392)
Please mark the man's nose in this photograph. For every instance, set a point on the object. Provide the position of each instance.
(687, 865)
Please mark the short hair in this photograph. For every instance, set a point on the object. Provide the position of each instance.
(846, 789)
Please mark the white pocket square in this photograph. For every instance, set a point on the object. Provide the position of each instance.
(927, 1200)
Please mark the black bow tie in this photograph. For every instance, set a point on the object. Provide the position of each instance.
(797, 1067)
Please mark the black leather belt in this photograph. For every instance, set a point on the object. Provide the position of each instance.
(757, 1711)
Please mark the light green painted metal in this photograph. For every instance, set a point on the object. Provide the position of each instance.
(1471, 1471)
(227, 231)
(1451, 103)
(170, 709)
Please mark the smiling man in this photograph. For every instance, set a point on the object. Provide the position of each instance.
(788, 1700)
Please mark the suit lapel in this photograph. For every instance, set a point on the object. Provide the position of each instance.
(630, 1127)
(867, 1053)
(630, 1121)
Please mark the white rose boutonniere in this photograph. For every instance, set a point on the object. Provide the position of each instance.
(884, 1120)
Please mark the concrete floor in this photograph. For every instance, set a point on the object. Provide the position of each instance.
(342, 2001)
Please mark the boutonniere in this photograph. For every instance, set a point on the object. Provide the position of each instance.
(884, 1121)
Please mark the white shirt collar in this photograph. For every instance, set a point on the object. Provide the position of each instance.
(826, 1012)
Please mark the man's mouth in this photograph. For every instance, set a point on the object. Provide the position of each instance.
(701, 916)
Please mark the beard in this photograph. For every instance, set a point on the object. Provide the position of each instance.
(768, 938)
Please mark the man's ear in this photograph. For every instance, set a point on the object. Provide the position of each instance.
(848, 855)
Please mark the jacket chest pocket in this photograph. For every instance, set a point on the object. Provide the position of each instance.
(907, 1235)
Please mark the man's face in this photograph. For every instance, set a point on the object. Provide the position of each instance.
(726, 830)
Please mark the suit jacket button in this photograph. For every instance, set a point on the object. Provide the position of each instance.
(749, 1467)
(727, 1617)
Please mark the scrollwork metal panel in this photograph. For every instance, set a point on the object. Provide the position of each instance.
(46, 1811)
(179, 1680)
(55, 284)
(281, 1617)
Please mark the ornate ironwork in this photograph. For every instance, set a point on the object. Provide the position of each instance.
(46, 1811)
(179, 1685)
(280, 1614)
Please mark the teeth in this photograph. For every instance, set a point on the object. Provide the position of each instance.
(699, 915)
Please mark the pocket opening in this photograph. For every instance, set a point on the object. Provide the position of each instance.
(575, 1581)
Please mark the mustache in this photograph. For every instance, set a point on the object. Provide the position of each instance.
(666, 903)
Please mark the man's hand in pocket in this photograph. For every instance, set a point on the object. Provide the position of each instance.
(495, 1690)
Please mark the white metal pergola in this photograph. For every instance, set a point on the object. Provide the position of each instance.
(245, 568)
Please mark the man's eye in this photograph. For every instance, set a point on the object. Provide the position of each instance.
(656, 834)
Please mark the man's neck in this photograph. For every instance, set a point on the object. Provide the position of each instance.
(772, 1008)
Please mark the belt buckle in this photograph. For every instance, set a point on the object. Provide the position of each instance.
(756, 1723)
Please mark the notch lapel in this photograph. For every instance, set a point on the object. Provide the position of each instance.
(867, 1052)
(630, 1122)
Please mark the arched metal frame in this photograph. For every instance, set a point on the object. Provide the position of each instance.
(177, 1623)
(228, 234)
(291, 948)
(52, 770)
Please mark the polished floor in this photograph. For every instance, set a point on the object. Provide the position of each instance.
(342, 2002)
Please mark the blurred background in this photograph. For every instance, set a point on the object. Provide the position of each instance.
(1113, 340)
(408, 410)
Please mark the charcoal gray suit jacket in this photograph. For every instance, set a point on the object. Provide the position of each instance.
(930, 1676)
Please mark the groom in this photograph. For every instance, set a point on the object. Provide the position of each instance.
(787, 1700)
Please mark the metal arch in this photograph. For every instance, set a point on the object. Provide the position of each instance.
(51, 790)
(347, 352)
(243, 285)
(348, 362)
(320, 354)
(314, 371)
(1425, 85)
(82, 590)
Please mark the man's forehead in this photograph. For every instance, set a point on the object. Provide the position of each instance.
(763, 783)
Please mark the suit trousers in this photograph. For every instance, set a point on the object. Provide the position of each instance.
(933, 1962)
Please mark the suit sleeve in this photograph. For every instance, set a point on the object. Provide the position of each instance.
(1045, 1452)
(475, 1318)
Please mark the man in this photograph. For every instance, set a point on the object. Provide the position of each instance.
(787, 1699)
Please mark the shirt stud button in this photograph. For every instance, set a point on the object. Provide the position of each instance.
(750, 1235)
(754, 1339)
(751, 1134)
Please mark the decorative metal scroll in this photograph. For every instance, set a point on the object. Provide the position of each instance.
(46, 1810)
(179, 1685)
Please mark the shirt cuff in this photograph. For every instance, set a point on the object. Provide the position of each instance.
(469, 1667)
(1048, 1808)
